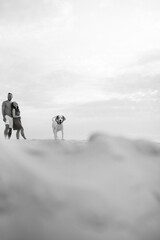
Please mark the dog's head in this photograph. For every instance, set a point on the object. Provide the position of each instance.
(60, 119)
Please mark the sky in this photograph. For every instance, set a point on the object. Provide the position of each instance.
(97, 62)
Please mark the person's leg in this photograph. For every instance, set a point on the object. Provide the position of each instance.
(6, 130)
(9, 133)
(22, 133)
(17, 134)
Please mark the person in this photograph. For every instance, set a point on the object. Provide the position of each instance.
(7, 116)
(17, 125)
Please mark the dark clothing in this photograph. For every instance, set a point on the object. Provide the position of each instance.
(17, 125)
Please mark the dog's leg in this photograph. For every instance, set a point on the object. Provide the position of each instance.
(62, 134)
(55, 134)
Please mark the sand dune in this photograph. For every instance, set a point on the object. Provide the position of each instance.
(107, 188)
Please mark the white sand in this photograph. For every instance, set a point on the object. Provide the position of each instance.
(105, 189)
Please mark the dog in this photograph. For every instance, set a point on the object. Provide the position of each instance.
(57, 125)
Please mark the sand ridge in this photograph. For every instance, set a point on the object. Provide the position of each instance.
(103, 188)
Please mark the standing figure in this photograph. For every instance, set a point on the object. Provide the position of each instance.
(57, 125)
(17, 125)
(7, 116)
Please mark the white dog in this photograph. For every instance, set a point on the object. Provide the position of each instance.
(57, 125)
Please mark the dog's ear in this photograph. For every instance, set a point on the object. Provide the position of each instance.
(64, 118)
(56, 118)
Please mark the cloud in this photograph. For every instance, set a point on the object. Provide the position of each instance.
(149, 63)
(40, 41)
(149, 57)
(78, 34)
(54, 88)
(146, 64)
(41, 88)
(29, 21)
(28, 10)
(118, 105)
(129, 83)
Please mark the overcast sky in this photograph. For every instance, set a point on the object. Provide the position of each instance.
(95, 61)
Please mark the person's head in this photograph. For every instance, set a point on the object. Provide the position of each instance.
(10, 96)
(14, 104)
